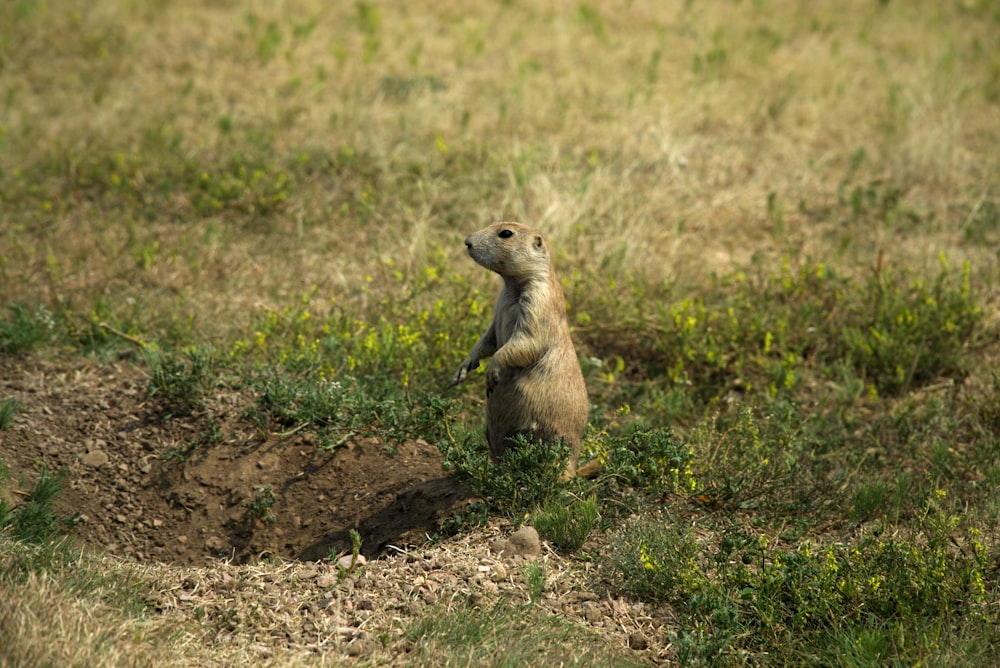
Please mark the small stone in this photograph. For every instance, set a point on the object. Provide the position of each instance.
(637, 641)
(95, 458)
(525, 542)
(582, 596)
(348, 560)
(591, 612)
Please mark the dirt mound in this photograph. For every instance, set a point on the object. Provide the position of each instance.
(185, 489)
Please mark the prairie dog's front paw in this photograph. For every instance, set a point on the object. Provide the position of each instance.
(463, 371)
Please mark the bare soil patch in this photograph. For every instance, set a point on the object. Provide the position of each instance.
(161, 489)
(154, 493)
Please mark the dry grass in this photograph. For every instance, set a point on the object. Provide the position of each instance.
(650, 134)
(304, 614)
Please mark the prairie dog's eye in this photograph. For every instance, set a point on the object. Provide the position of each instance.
(506, 234)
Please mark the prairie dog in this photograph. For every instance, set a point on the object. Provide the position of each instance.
(534, 385)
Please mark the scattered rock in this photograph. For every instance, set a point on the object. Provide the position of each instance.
(95, 458)
(522, 543)
(498, 573)
(525, 542)
(348, 560)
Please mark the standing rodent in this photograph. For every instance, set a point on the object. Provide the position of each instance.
(534, 385)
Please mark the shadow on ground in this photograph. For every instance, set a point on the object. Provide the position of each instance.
(210, 486)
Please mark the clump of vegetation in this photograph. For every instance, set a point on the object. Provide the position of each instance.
(8, 409)
(566, 524)
(345, 570)
(528, 475)
(261, 504)
(653, 558)
(179, 380)
(338, 409)
(24, 328)
(34, 520)
(650, 459)
(744, 594)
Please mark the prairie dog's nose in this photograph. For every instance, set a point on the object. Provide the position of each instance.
(468, 242)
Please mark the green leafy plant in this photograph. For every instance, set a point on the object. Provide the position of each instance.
(527, 476)
(654, 558)
(179, 380)
(25, 329)
(344, 571)
(338, 409)
(261, 505)
(908, 333)
(869, 500)
(650, 459)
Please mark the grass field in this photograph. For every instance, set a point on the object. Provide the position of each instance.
(778, 229)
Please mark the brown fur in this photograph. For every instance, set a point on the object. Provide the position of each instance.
(533, 382)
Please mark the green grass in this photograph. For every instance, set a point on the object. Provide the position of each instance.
(8, 409)
(33, 519)
(776, 228)
(506, 634)
(566, 524)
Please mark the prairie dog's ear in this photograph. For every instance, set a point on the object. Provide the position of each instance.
(539, 243)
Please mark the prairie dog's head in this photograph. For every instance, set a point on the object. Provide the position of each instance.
(510, 249)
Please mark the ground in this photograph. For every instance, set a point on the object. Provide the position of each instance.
(152, 492)
(149, 487)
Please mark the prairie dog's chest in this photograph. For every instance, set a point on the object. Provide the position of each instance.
(507, 315)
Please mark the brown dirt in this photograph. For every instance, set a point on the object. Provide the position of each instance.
(185, 522)
(160, 489)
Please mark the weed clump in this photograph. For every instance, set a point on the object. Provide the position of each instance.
(741, 593)
(179, 380)
(653, 460)
(566, 524)
(34, 520)
(25, 329)
(8, 408)
(529, 474)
